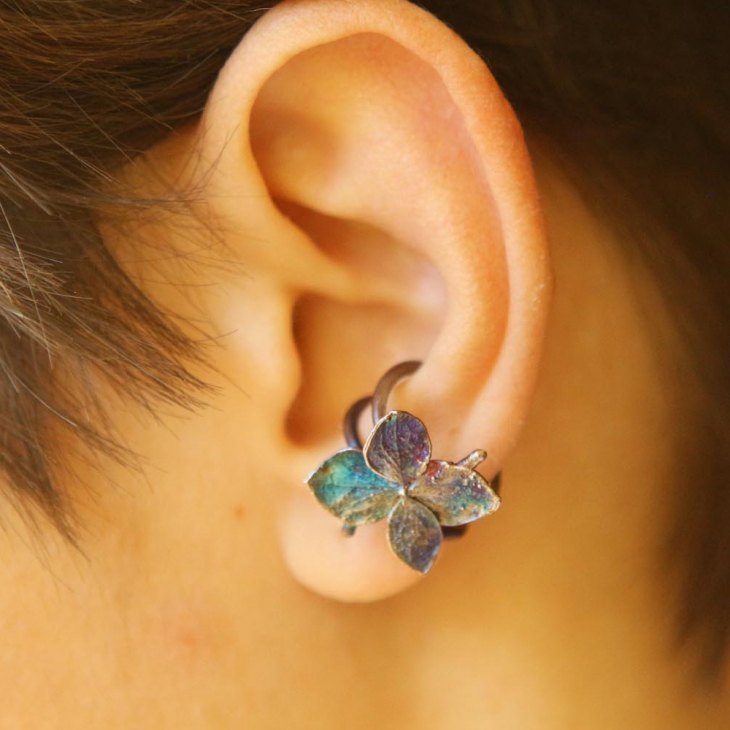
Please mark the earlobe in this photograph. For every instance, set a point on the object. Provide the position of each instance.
(376, 153)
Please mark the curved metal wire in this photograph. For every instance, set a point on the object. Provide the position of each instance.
(387, 383)
(352, 419)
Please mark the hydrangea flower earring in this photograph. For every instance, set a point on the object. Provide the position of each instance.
(393, 476)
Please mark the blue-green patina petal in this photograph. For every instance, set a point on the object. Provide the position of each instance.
(455, 494)
(398, 448)
(414, 534)
(350, 490)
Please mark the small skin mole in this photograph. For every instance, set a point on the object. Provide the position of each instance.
(186, 631)
(188, 639)
(238, 511)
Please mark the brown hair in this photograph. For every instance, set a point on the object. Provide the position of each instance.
(633, 96)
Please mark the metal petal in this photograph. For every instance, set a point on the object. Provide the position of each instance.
(398, 448)
(414, 534)
(455, 494)
(350, 490)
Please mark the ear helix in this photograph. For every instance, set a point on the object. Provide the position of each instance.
(392, 476)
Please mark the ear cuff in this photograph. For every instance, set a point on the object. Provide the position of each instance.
(392, 476)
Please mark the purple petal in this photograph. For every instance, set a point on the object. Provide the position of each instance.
(398, 448)
(414, 534)
(455, 494)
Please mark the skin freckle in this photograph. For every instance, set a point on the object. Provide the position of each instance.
(185, 633)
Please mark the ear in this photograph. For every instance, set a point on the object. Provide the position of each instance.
(370, 171)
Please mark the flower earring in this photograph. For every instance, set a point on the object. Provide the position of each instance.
(393, 476)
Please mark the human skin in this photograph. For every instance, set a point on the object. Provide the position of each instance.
(212, 591)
